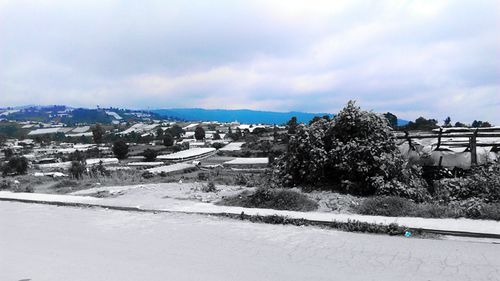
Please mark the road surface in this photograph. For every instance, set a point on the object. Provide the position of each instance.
(42, 242)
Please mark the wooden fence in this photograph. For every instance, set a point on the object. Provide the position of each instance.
(471, 143)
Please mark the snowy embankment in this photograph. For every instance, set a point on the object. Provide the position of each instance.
(162, 198)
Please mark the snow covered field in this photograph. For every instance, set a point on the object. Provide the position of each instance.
(46, 243)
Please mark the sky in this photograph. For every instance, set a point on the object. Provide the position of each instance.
(412, 58)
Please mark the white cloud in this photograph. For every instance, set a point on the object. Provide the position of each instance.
(433, 58)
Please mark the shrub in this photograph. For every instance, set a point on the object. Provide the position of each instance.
(168, 139)
(77, 169)
(209, 187)
(150, 155)
(199, 133)
(217, 145)
(16, 165)
(386, 206)
(120, 149)
(202, 176)
(280, 199)
(481, 183)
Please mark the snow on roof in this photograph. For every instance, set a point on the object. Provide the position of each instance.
(171, 168)
(143, 164)
(5, 113)
(248, 161)
(44, 131)
(190, 126)
(87, 134)
(95, 161)
(62, 165)
(27, 126)
(233, 146)
(193, 152)
(80, 129)
(139, 128)
(114, 115)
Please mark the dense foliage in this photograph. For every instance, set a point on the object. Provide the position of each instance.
(481, 183)
(355, 152)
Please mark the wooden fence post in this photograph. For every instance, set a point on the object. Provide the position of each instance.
(473, 150)
(439, 137)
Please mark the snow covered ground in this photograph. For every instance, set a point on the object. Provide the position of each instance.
(46, 243)
(189, 198)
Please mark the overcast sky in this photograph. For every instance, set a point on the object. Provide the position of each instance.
(412, 58)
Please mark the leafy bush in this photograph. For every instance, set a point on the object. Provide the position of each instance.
(481, 183)
(280, 199)
(150, 155)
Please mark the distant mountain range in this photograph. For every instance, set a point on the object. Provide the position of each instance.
(68, 114)
(241, 115)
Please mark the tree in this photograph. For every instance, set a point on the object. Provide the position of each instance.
(159, 133)
(176, 131)
(77, 169)
(150, 155)
(392, 119)
(422, 124)
(59, 136)
(199, 133)
(168, 139)
(120, 149)
(447, 122)
(3, 139)
(98, 133)
(216, 136)
(460, 125)
(16, 165)
(292, 125)
(356, 152)
(8, 152)
(480, 124)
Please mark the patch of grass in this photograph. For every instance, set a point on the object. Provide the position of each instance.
(349, 226)
(400, 207)
(279, 199)
(386, 206)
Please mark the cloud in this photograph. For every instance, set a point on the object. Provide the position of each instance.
(431, 58)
